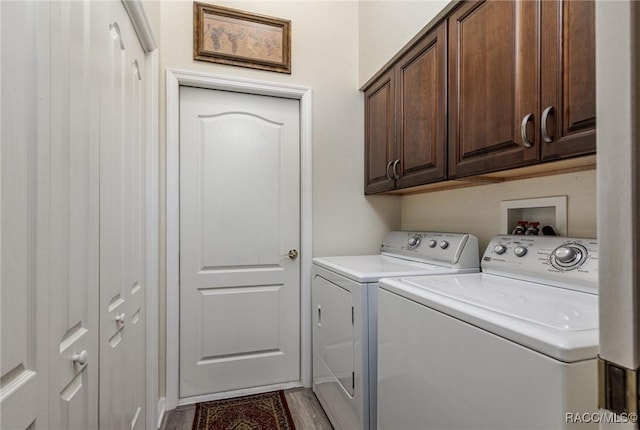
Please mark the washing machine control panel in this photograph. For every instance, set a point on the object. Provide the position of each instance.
(456, 250)
(562, 261)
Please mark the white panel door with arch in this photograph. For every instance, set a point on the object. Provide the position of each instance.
(239, 236)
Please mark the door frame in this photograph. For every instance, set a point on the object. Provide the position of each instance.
(174, 79)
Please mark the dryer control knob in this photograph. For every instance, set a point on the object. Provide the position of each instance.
(414, 241)
(520, 251)
(444, 244)
(432, 243)
(499, 249)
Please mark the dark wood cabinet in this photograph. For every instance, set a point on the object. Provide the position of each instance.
(421, 135)
(492, 86)
(568, 79)
(521, 84)
(405, 119)
(379, 104)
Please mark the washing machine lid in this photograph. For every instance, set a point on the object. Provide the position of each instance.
(370, 268)
(560, 323)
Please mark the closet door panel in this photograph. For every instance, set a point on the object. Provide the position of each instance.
(24, 211)
(74, 219)
(122, 283)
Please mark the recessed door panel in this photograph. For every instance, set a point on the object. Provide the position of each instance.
(235, 148)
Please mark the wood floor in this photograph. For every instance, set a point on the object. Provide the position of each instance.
(305, 410)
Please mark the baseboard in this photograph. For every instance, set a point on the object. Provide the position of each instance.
(162, 409)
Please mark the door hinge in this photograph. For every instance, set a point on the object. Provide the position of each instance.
(617, 388)
(353, 380)
(353, 316)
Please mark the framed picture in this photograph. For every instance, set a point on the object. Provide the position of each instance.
(229, 36)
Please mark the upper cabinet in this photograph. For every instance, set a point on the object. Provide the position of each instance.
(421, 116)
(379, 115)
(492, 86)
(521, 84)
(405, 118)
(568, 79)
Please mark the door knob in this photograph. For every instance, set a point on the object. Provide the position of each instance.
(80, 358)
(293, 254)
(120, 318)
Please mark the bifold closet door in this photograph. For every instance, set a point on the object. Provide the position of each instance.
(122, 284)
(74, 206)
(24, 212)
(72, 129)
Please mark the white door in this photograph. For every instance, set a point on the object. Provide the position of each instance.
(74, 204)
(239, 219)
(122, 282)
(24, 290)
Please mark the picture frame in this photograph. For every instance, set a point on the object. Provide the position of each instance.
(238, 38)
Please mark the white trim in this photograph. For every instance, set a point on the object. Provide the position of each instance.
(140, 22)
(238, 393)
(175, 78)
(152, 247)
(138, 15)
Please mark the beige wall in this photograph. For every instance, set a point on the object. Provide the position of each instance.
(476, 210)
(152, 9)
(386, 26)
(324, 57)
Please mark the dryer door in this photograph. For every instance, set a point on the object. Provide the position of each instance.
(333, 330)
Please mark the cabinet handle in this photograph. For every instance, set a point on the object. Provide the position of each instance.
(543, 120)
(388, 172)
(395, 172)
(523, 130)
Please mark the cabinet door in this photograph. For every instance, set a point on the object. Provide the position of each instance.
(421, 111)
(492, 86)
(379, 127)
(568, 93)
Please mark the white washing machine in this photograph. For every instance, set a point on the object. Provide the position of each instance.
(344, 291)
(513, 347)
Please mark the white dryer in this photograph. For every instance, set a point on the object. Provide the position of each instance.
(513, 347)
(344, 291)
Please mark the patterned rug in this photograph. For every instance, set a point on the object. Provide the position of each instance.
(268, 411)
